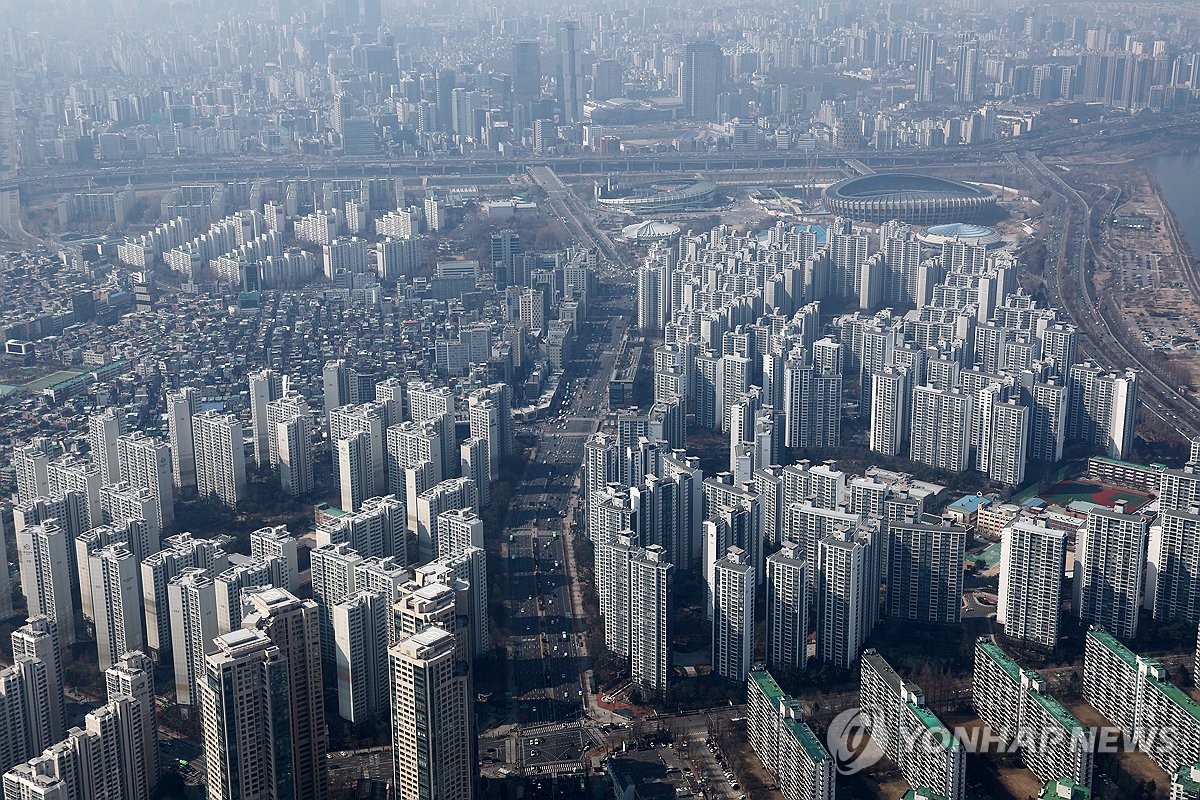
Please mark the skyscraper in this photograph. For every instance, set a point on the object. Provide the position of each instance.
(701, 70)
(1102, 408)
(926, 72)
(433, 741)
(131, 679)
(181, 406)
(359, 627)
(146, 464)
(103, 430)
(291, 625)
(38, 641)
(1032, 563)
(266, 385)
(787, 608)
(924, 572)
(1110, 559)
(966, 69)
(570, 72)
(42, 554)
(733, 615)
(650, 618)
(526, 72)
(246, 722)
(846, 592)
(117, 598)
(220, 457)
(193, 607)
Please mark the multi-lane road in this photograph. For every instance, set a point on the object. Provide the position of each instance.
(1069, 284)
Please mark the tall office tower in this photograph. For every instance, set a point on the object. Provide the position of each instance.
(1008, 438)
(103, 430)
(1048, 423)
(733, 615)
(846, 593)
(613, 554)
(474, 462)
(45, 564)
(116, 592)
(291, 625)
(526, 72)
(220, 457)
(457, 530)
(246, 719)
(650, 618)
(38, 640)
(924, 572)
(1032, 565)
(966, 69)
(570, 72)
(180, 552)
(192, 595)
(335, 381)
(787, 608)
(926, 72)
(146, 464)
(505, 250)
(433, 741)
(333, 580)
(1102, 408)
(131, 679)
(889, 405)
(444, 81)
(462, 108)
(32, 465)
(266, 385)
(701, 72)
(941, 426)
(1174, 563)
(359, 627)
(1110, 558)
(181, 406)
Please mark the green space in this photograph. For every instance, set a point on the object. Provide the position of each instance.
(46, 381)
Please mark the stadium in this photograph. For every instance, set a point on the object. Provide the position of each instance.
(919, 199)
(674, 194)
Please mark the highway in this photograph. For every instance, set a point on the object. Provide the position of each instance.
(577, 219)
(546, 636)
(1069, 285)
(42, 181)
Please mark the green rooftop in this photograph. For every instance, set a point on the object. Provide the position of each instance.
(1176, 695)
(1110, 642)
(922, 793)
(1064, 789)
(1001, 658)
(1186, 777)
(767, 685)
(807, 740)
(1059, 712)
(934, 725)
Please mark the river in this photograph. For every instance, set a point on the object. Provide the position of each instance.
(1179, 177)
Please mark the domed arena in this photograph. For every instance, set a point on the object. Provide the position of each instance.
(917, 199)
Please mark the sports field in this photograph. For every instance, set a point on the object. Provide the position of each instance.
(1067, 491)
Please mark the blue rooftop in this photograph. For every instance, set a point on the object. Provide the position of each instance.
(969, 504)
